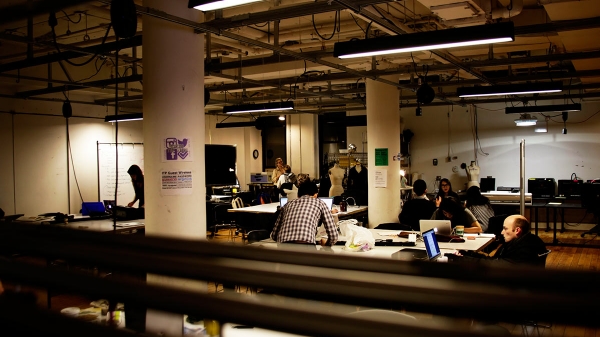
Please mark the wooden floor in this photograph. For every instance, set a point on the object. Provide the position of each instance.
(561, 257)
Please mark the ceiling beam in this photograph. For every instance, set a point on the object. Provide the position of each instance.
(31, 8)
(78, 86)
(101, 49)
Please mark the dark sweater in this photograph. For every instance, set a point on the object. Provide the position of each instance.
(525, 249)
(415, 210)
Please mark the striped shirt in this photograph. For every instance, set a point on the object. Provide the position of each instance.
(300, 218)
(483, 213)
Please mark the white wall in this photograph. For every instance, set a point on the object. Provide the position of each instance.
(548, 155)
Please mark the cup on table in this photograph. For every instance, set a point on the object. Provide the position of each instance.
(459, 230)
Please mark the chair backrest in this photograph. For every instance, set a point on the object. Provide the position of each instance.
(394, 226)
(237, 203)
(221, 214)
(257, 235)
(495, 224)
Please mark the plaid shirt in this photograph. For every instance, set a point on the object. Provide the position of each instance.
(299, 219)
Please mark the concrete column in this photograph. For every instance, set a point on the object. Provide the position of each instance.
(383, 132)
(302, 133)
(173, 108)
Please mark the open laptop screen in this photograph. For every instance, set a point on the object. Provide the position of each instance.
(282, 201)
(431, 244)
(328, 202)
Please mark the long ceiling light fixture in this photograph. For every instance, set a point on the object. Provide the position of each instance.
(211, 5)
(543, 108)
(124, 117)
(526, 120)
(245, 108)
(514, 89)
(439, 39)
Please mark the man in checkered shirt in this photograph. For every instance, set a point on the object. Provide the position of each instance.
(298, 219)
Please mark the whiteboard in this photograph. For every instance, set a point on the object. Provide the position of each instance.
(129, 154)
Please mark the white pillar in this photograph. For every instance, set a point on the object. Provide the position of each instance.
(173, 108)
(302, 134)
(383, 133)
(173, 59)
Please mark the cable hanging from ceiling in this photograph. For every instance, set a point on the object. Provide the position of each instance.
(336, 26)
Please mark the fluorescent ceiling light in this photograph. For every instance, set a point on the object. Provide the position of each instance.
(124, 117)
(543, 128)
(543, 108)
(526, 120)
(439, 39)
(245, 108)
(211, 5)
(514, 89)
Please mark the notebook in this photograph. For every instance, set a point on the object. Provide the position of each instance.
(443, 226)
(283, 201)
(327, 201)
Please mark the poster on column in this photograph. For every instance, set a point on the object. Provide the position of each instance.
(176, 182)
(176, 149)
(380, 178)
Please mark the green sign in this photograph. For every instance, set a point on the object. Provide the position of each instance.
(381, 157)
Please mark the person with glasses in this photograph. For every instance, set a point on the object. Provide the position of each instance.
(445, 190)
(451, 209)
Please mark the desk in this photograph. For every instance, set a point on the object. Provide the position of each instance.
(103, 225)
(385, 252)
(555, 206)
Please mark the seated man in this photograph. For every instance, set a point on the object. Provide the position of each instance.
(417, 208)
(299, 219)
(521, 247)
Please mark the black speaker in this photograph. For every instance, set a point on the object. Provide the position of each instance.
(487, 184)
(123, 18)
(67, 110)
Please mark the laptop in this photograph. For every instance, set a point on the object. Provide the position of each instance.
(443, 226)
(431, 245)
(430, 253)
(283, 201)
(328, 202)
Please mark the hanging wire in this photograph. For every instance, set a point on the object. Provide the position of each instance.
(91, 58)
(336, 26)
(69, 17)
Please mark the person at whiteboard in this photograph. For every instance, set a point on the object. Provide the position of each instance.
(137, 179)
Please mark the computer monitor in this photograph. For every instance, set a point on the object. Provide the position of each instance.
(431, 245)
(283, 201)
(328, 202)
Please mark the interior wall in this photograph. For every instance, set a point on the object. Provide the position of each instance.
(445, 130)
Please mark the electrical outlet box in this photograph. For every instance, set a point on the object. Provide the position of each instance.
(435, 162)
(448, 159)
(438, 178)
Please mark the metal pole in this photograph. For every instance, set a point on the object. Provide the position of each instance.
(522, 179)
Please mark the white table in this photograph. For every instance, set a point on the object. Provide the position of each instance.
(385, 252)
(264, 208)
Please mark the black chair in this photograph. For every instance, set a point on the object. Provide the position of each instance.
(394, 226)
(257, 235)
(221, 219)
(495, 224)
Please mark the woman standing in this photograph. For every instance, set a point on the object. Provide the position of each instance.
(480, 206)
(137, 179)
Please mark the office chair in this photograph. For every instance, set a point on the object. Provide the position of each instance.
(221, 219)
(535, 324)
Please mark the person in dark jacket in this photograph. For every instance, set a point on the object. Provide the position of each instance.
(137, 179)
(520, 247)
(417, 208)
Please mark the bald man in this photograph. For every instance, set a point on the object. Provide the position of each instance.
(520, 247)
